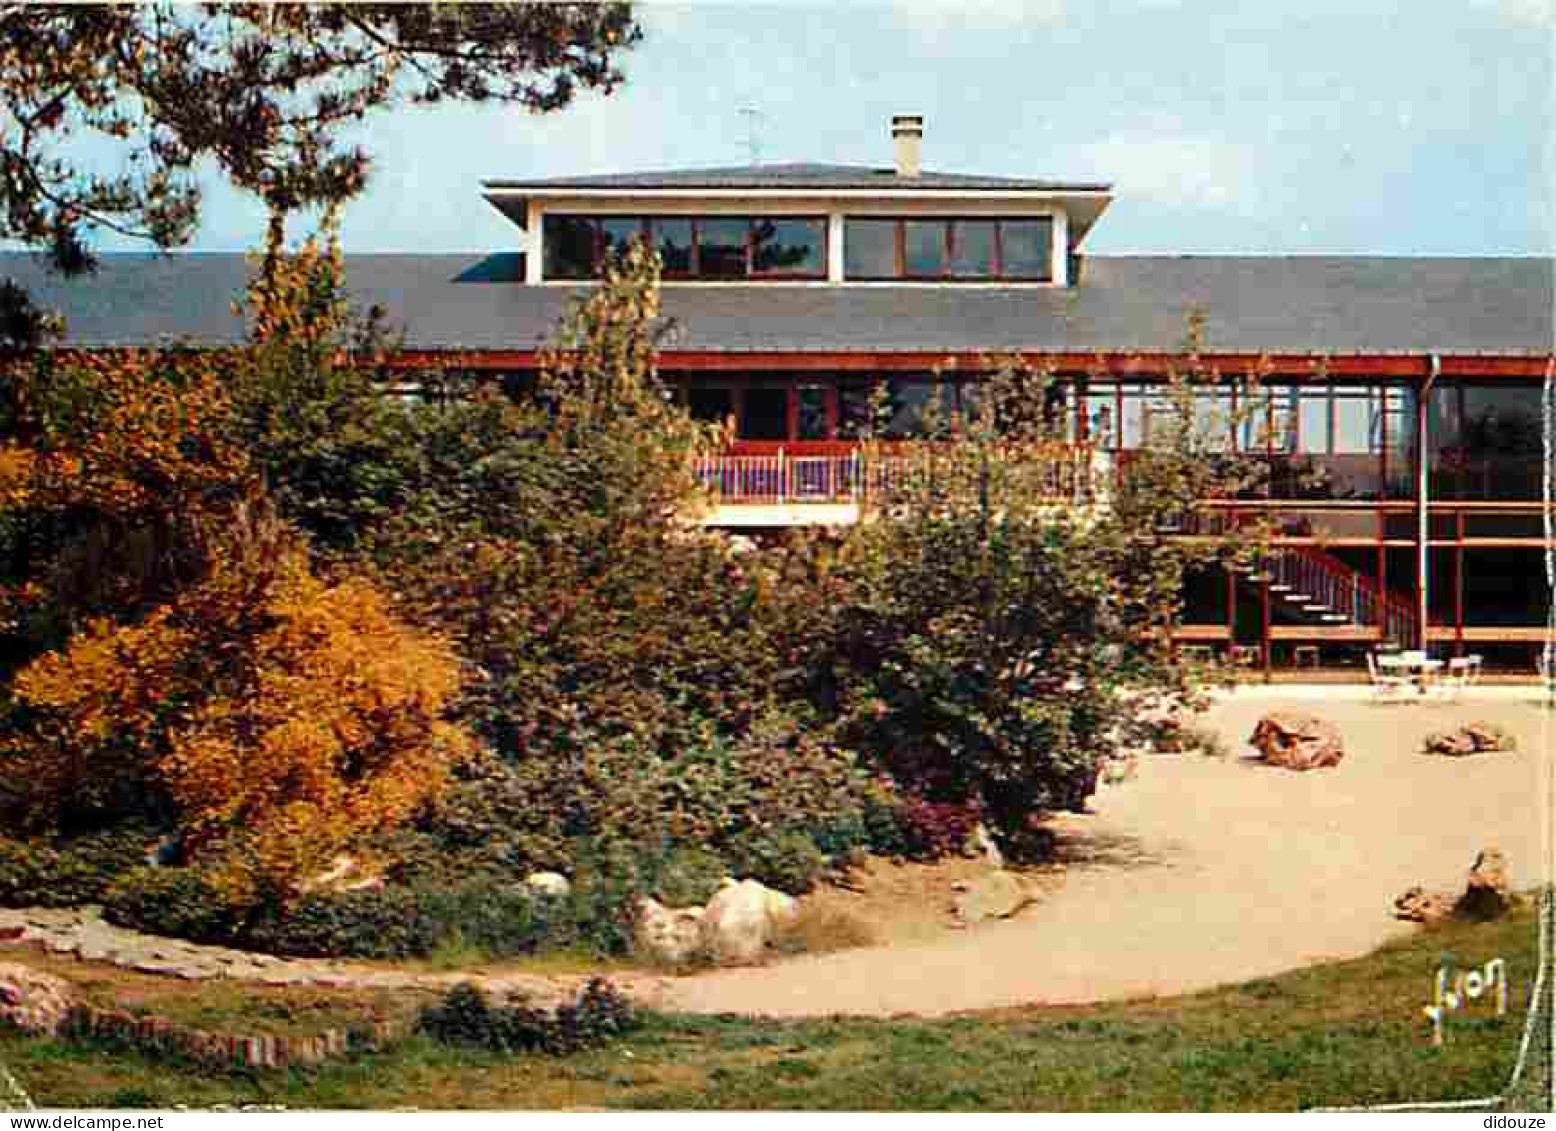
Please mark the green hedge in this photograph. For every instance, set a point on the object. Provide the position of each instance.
(71, 872)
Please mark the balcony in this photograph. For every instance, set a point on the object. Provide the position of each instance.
(825, 483)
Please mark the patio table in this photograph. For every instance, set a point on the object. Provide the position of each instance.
(1418, 669)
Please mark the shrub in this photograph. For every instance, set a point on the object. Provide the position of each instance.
(279, 715)
(387, 922)
(466, 1017)
(69, 873)
(24, 873)
(689, 876)
(931, 830)
(180, 902)
(788, 861)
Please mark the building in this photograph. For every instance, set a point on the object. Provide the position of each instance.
(1402, 406)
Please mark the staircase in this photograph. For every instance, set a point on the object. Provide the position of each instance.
(1319, 588)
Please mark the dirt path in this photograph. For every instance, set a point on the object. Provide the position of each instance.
(1201, 872)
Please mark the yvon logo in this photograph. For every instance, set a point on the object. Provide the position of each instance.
(1455, 988)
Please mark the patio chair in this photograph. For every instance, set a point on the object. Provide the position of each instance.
(1449, 686)
(1385, 688)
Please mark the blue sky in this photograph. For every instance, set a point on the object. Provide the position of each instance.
(1301, 126)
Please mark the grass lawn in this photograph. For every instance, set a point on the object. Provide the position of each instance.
(1346, 1033)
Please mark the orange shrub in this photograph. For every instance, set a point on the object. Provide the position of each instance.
(280, 717)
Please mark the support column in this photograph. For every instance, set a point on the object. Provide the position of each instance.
(534, 218)
(1423, 499)
(834, 247)
(1060, 264)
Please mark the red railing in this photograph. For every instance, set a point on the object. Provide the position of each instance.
(1344, 591)
(849, 475)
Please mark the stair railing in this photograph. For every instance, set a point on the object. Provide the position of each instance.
(1345, 591)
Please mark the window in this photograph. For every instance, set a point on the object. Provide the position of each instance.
(972, 248)
(924, 247)
(570, 247)
(691, 247)
(788, 247)
(1026, 249)
(870, 249)
(947, 248)
(617, 232)
(721, 249)
(673, 237)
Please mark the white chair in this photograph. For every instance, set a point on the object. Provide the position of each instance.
(1450, 685)
(1385, 688)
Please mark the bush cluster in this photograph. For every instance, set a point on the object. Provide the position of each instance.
(465, 1017)
(71, 872)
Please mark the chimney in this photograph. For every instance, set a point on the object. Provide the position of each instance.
(907, 130)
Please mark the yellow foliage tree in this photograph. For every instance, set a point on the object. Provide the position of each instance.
(279, 715)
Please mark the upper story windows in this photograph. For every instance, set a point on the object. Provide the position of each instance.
(728, 248)
(747, 248)
(948, 248)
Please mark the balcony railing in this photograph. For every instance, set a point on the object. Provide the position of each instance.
(781, 478)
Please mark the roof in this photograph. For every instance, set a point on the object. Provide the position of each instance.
(804, 176)
(1276, 304)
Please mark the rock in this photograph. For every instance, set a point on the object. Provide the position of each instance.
(1489, 736)
(1454, 743)
(1295, 741)
(981, 843)
(1421, 906)
(1487, 894)
(345, 873)
(741, 919)
(995, 895)
(666, 934)
(550, 885)
(38, 1004)
(1472, 738)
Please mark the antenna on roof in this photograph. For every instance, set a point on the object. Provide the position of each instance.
(753, 139)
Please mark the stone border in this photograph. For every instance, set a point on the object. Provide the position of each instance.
(216, 1049)
(82, 933)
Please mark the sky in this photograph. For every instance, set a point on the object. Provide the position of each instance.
(1422, 127)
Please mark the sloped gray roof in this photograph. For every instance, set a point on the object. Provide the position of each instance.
(793, 176)
(1276, 304)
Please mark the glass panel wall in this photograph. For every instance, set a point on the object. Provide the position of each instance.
(1486, 441)
(1504, 587)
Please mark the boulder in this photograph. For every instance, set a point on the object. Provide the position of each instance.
(550, 885)
(345, 873)
(1296, 741)
(1487, 894)
(38, 1004)
(1421, 906)
(742, 918)
(671, 935)
(994, 895)
(981, 843)
(1454, 743)
(1471, 738)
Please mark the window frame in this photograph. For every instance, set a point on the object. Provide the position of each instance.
(948, 225)
(648, 223)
